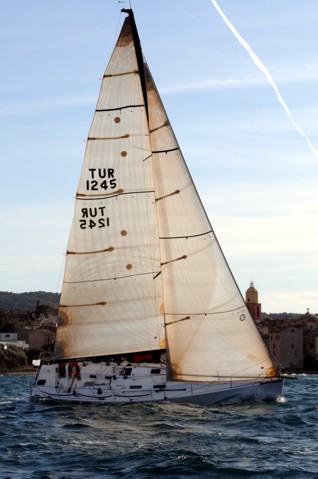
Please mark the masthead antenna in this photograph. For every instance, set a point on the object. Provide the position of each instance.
(125, 1)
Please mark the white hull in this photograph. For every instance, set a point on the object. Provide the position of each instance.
(111, 383)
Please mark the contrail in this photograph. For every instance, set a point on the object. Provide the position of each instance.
(267, 74)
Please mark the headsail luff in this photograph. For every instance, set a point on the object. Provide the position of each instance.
(158, 271)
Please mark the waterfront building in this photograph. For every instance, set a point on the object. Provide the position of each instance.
(286, 346)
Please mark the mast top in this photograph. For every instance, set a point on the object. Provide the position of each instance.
(139, 55)
(128, 10)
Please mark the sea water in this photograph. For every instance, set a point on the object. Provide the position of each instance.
(41, 440)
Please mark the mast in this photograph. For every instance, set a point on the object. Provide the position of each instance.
(139, 55)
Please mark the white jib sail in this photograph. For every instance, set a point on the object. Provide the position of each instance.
(210, 333)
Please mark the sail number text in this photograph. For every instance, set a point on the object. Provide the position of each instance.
(93, 217)
(101, 178)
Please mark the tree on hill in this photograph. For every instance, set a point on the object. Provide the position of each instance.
(27, 301)
(12, 358)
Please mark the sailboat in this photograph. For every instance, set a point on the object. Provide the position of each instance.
(149, 308)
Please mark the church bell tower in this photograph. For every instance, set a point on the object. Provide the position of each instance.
(254, 307)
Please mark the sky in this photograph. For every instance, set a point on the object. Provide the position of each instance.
(255, 172)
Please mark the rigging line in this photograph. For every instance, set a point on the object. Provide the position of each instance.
(61, 271)
(120, 108)
(117, 30)
(185, 236)
(124, 1)
(110, 279)
(266, 72)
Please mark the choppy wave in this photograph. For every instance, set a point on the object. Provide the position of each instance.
(140, 441)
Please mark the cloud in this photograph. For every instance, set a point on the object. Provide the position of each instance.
(212, 84)
(274, 223)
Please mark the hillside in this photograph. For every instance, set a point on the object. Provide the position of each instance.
(12, 358)
(27, 301)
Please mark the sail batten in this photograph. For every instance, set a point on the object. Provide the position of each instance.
(106, 250)
(204, 313)
(166, 150)
(113, 194)
(117, 278)
(119, 108)
(109, 138)
(185, 236)
(103, 303)
(136, 72)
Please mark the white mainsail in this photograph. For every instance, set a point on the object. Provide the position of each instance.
(144, 270)
(110, 301)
